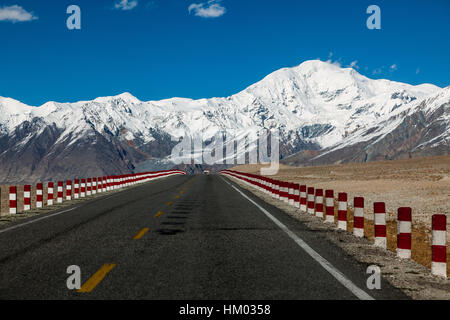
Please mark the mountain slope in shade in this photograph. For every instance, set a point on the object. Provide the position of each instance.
(316, 106)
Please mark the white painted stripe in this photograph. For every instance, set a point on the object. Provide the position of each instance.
(439, 237)
(439, 269)
(358, 212)
(26, 194)
(342, 206)
(329, 202)
(404, 227)
(339, 276)
(319, 199)
(342, 225)
(380, 219)
(39, 192)
(358, 232)
(12, 196)
(380, 242)
(403, 253)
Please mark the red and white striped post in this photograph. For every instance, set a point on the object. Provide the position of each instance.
(12, 200)
(83, 188)
(50, 190)
(319, 203)
(108, 183)
(342, 211)
(285, 191)
(311, 200)
(89, 187)
(329, 206)
(76, 189)
(60, 192)
(439, 247)
(404, 227)
(291, 193)
(297, 195)
(94, 186)
(358, 217)
(303, 198)
(68, 190)
(99, 185)
(379, 221)
(27, 197)
(104, 184)
(39, 195)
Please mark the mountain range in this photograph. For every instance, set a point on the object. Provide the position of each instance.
(324, 114)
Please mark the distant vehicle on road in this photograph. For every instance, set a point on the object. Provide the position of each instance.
(206, 171)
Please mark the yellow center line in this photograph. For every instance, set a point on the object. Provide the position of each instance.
(159, 214)
(169, 203)
(141, 233)
(93, 281)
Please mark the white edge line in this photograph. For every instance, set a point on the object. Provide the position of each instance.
(339, 276)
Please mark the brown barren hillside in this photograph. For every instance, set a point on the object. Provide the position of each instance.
(420, 183)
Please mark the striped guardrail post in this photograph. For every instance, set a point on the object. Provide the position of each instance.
(12, 200)
(404, 229)
(379, 221)
(329, 206)
(342, 211)
(39, 195)
(303, 198)
(291, 193)
(104, 180)
(319, 203)
(89, 187)
(297, 195)
(76, 189)
(27, 197)
(311, 200)
(60, 192)
(99, 185)
(439, 247)
(358, 217)
(68, 190)
(94, 186)
(83, 188)
(50, 191)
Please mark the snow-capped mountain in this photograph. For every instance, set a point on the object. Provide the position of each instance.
(316, 106)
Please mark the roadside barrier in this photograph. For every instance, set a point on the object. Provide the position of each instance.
(39, 196)
(329, 206)
(27, 197)
(358, 217)
(438, 247)
(306, 202)
(379, 222)
(342, 211)
(404, 228)
(50, 191)
(319, 203)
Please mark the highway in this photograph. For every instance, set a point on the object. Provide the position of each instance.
(182, 237)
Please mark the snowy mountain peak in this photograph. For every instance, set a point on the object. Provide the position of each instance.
(316, 105)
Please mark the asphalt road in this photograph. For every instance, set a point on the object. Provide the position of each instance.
(183, 237)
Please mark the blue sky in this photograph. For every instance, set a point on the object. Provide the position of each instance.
(159, 49)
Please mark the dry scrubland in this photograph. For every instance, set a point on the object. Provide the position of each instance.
(422, 184)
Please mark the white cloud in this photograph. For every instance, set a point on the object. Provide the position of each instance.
(377, 71)
(393, 67)
(417, 70)
(210, 9)
(16, 13)
(354, 65)
(125, 4)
